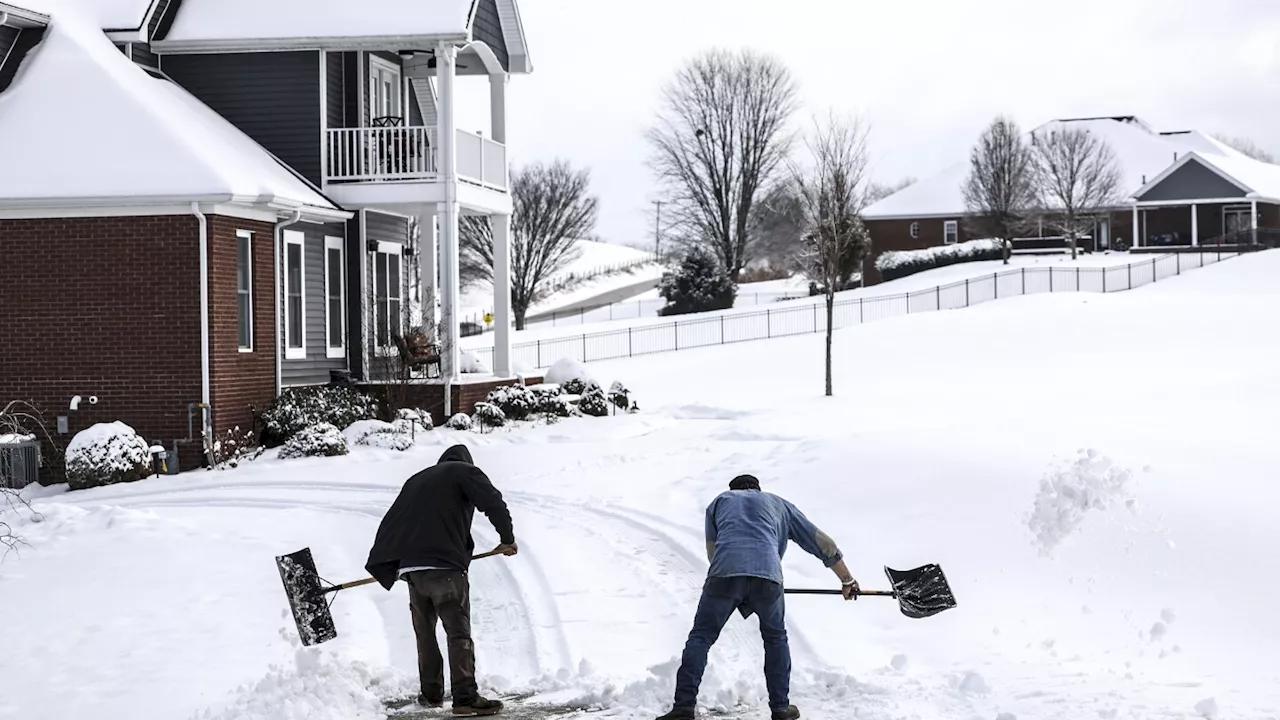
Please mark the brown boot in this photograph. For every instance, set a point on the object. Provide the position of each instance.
(790, 713)
(477, 707)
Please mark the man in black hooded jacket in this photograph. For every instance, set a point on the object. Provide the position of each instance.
(425, 540)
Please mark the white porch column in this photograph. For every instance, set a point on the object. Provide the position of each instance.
(1253, 220)
(447, 211)
(501, 295)
(498, 107)
(1137, 234)
(1195, 225)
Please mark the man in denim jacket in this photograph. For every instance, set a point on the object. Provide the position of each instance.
(747, 534)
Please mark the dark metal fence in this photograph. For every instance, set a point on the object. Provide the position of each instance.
(729, 327)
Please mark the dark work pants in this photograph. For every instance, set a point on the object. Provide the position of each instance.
(443, 595)
(720, 598)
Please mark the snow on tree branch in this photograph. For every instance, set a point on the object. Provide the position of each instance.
(1077, 176)
(718, 142)
(1246, 146)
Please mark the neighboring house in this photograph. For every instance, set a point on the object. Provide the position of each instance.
(205, 201)
(1178, 189)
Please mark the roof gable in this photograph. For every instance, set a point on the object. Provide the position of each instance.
(1190, 179)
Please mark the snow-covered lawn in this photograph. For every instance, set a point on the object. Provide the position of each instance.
(1132, 580)
(646, 305)
(592, 257)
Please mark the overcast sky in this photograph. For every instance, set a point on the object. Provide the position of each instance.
(927, 75)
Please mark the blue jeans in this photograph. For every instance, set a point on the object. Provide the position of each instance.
(720, 597)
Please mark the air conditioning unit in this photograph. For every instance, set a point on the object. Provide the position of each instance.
(19, 461)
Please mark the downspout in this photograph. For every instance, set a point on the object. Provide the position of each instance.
(277, 240)
(206, 412)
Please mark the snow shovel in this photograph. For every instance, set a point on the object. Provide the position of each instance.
(303, 586)
(921, 592)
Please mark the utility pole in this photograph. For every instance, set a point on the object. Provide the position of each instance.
(657, 230)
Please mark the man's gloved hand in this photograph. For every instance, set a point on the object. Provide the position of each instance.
(507, 550)
(850, 589)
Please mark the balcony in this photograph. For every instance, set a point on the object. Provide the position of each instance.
(407, 154)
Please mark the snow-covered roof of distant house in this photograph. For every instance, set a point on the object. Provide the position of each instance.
(1141, 154)
(1254, 178)
(223, 22)
(86, 126)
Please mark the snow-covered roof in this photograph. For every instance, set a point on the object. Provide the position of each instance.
(107, 14)
(86, 126)
(1140, 153)
(213, 22)
(1255, 178)
(21, 17)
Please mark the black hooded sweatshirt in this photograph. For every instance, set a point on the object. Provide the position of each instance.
(430, 521)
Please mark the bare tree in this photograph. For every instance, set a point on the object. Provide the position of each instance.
(1246, 146)
(1076, 176)
(1000, 191)
(879, 191)
(778, 227)
(719, 140)
(553, 210)
(832, 194)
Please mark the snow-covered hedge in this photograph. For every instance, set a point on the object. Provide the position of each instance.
(901, 263)
(106, 454)
(488, 415)
(409, 420)
(298, 408)
(593, 401)
(516, 402)
(320, 440)
(460, 421)
(375, 433)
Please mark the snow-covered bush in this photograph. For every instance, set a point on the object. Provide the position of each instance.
(550, 402)
(106, 454)
(488, 415)
(565, 370)
(302, 407)
(593, 401)
(700, 284)
(469, 362)
(409, 420)
(516, 402)
(234, 447)
(320, 440)
(576, 386)
(460, 421)
(901, 263)
(619, 395)
(375, 433)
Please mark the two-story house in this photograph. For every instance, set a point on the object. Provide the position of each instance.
(205, 201)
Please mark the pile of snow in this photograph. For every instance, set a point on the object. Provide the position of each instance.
(470, 363)
(1071, 491)
(105, 454)
(565, 370)
(900, 263)
(375, 433)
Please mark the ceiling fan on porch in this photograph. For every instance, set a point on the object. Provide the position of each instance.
(431, 64)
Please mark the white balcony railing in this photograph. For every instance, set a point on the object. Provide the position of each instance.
(408, 153)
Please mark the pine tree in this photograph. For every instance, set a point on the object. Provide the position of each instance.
(700, 284)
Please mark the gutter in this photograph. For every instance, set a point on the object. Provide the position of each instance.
(364, 42)
(276, 240)
(205, 389)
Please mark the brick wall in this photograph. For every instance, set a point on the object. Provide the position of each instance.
(238, 379)
(895, 235)
(106, 307)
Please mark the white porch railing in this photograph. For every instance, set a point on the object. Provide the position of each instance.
(408, 153)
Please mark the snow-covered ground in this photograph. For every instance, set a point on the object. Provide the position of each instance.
(1094, 473)
(626, 315)
(646, 305)
(592, 257)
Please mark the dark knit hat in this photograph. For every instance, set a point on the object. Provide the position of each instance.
(744, 482)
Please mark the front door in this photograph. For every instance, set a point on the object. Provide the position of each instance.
(1103, 233)
(1235, 219)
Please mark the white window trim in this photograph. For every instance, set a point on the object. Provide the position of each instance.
(389, 66)
(950, 228)
(388, 248)
(914, 230)
(294, 237)
(335, 243)
(246, 235)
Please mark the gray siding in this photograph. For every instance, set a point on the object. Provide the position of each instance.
(15, 51)
(274, 97)
(335, 89)
(387, 228)
(415, 109)
(352, 104)
(143, 56)
(157, 17)
(1193, 181)
(487, 28)
(315, 369)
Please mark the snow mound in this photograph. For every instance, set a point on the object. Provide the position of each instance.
(375, 433)
(105, 454)
(1208, 708)
(566, 369)
(471, 363)
(1069, 492)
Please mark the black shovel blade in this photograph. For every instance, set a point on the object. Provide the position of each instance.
(922, 591)
(306, 597)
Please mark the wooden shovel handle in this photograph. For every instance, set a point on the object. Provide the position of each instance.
(366, 581)
(875, 593)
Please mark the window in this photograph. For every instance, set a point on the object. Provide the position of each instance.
(387, 293)
(384, 88)
(950, 232)
(335, 299)
(915, 229)
(295, 297)
(244, 289)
